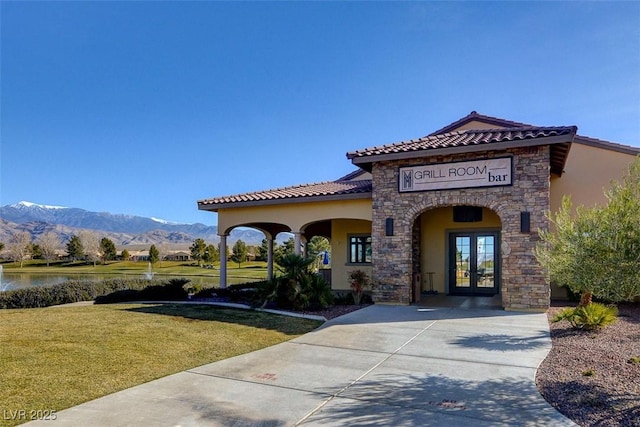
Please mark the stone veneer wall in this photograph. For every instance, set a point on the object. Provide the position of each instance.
(524, 285)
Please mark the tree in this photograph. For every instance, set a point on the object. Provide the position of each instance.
(198, 250)
(154, 254)
(48, 242)
(285, 249)
(211, 254)
(107, 250)
(91, 244)
(239, 254)
(263, 250)
(316, 246)
(75, 250)
(36, 251)
(125, 255)
(19, 246)
(596, 251)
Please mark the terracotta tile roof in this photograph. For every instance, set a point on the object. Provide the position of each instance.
(353, 175)
(443, 140)
(466, 138)
(330, 190)
(475, 116)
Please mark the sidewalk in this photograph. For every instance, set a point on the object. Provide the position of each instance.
(379, 366)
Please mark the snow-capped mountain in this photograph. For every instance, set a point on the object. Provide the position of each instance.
(122, 229)
(30, 205)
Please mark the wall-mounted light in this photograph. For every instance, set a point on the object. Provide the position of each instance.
(525, 222)
(389, 227)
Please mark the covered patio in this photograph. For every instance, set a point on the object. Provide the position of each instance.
(334, 210)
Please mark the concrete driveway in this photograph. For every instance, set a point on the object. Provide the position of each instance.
(381, 366)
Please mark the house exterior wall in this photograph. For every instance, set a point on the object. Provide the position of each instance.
(340, 268)
(294, 215)
(588, 172)
(524, 284)
(435, 224)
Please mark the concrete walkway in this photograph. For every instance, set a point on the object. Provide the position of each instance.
(452, 365)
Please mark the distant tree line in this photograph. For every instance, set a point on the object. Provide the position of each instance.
(85, 246)
(204, 253)
(88, 246)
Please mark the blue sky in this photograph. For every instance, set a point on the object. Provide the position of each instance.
(146, 107)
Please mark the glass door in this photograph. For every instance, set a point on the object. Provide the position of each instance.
(473, 263)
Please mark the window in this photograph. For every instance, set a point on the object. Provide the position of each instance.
(360, 249)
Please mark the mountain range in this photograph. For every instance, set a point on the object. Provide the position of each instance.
(123, 230)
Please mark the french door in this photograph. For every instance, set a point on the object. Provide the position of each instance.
(474, 263)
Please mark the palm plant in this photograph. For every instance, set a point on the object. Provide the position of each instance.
(298, 287)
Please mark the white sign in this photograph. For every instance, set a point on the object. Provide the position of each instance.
(441, 176)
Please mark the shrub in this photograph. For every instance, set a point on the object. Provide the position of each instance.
(243, 292)
(343, 298)
(318, 292)
(595, 251)
(359, 281)
(590, 317)
(65, 293)
(298, 288)
(634, 360)
(173, 290)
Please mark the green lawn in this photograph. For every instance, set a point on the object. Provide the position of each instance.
(248, 271)
(57, 357)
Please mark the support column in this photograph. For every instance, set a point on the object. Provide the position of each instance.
(269, 258)
(223, 261)
(297, 239)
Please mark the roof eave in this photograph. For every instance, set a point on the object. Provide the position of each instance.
(215, 207)
(599, 143)
(364, 161)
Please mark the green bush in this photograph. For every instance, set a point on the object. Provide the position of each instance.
(243, 292)
(595, 251)
(590, 317)
(298, 288)
(173, 290)
(343, 298)
(65, 293)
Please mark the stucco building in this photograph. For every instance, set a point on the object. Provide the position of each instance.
(457, 211)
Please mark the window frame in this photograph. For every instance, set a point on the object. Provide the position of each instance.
(364, 244)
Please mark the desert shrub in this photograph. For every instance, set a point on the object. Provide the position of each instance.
(590, 317)
(595, 251)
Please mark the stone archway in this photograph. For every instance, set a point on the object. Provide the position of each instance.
(524, 283)
(441, 235)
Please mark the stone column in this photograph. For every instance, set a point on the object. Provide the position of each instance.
(223, 261)
(297, 240)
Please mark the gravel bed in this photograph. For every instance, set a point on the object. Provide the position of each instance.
(593, 378)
